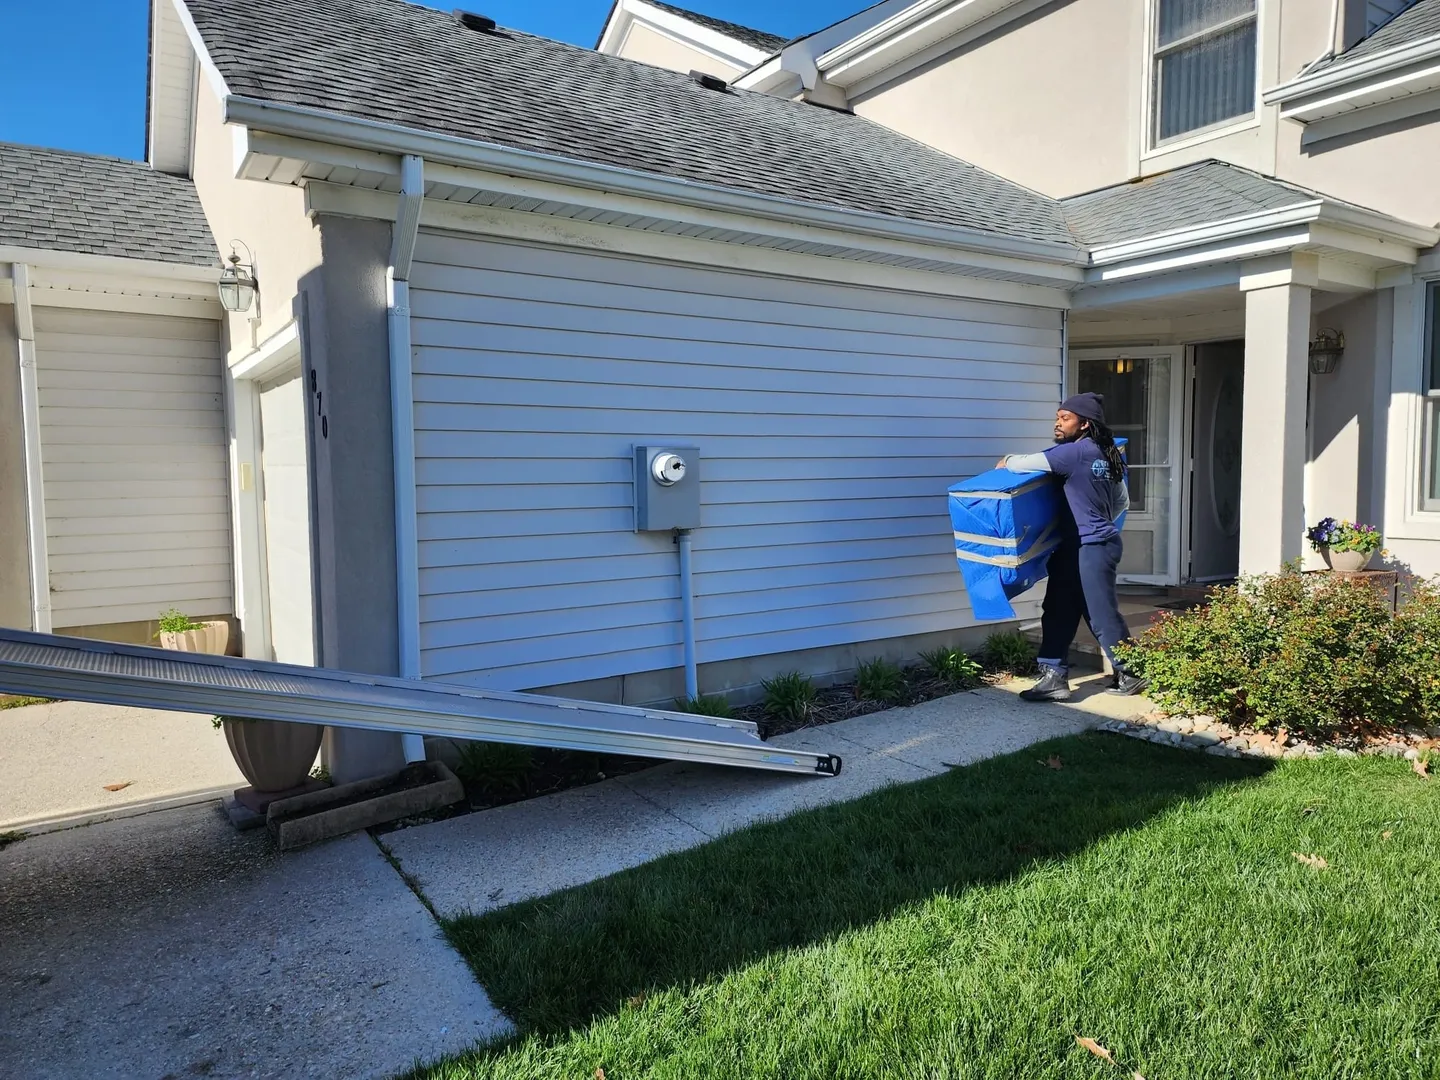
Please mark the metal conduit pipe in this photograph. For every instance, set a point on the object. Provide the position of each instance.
(687, 615)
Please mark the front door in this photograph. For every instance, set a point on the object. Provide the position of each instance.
(1215, 461)
(1142, 390)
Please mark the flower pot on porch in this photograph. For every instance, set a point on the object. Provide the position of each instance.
(274, 755)
(1346, 562)
(212, 638)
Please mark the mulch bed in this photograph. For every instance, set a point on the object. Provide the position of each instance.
(554, 771)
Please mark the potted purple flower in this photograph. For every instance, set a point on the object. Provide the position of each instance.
(1346, 546)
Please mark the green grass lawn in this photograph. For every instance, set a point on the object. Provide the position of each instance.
(974, 924)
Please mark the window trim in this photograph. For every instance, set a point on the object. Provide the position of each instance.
(1151, 144)
(1406, 515)
(1428, 466)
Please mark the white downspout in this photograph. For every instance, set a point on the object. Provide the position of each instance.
(1334, 38)
(402, 427)
(34, 476)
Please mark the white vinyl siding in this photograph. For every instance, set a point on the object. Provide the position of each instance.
(830, 421)
(132, 434)
(286, 486)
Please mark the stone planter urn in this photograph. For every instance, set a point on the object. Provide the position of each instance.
(1346, 562)
(274, 755)
(212, 638)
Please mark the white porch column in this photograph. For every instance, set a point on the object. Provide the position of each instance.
(1277, 372)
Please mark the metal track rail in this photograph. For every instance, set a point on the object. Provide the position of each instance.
(77, 669)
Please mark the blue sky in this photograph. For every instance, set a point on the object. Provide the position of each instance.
(74, 70)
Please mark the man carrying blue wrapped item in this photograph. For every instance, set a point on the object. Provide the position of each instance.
(1082, 568)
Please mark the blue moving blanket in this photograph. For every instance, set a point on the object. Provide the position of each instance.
(1006, 524)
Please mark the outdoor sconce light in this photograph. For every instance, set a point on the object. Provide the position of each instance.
(1325, 351)
(1123, 366)
(237, 281)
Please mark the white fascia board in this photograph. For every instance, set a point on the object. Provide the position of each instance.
(1364, 94)
(494, 223)
(766, 77)
(1275, 242)
(107, 264)
(701, 38)
(1373, 68)
(917, 27)
(491, 158)
(1347, 218)
(271, 356)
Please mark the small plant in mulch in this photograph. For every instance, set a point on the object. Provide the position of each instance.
(789, 698)
(494, 766)
(706, 705)
(1008, 652)
(880, 680)
(953, 667)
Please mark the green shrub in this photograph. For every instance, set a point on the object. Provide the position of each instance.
(1008, 652)
(789, 697)
(705, 705)
(1291, 650)
(487, 766)
(879, 680)
(953, 667)
(1417, 652)
(176, 621)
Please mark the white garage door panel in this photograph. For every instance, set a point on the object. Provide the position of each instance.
(287, 521)
(133, 449)
(830, 420)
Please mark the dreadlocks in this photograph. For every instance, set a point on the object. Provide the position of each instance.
(1104, 438)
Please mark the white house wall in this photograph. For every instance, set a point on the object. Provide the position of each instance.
(830, 421)
(132, 433)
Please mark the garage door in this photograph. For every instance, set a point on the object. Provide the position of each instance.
(133, 450)
(285, 483)
(830, 421)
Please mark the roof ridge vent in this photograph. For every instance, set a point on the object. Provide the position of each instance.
(709, 82)
(471, 21)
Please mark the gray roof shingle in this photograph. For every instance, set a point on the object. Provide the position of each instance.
(1197, 194)
(65, 201)
(414, 67)
(758, 38)
(1419, 22)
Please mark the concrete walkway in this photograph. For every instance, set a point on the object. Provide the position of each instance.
(479, 862)
(168, 946)
(58, 759)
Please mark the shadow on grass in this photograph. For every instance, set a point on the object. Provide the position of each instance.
(556, 963)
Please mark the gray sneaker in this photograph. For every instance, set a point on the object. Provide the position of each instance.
(1053, 686)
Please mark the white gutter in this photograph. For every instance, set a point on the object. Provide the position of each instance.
(402, 427)
(46, 259)
(328, 127)
(1307, 213)
(915, 28)
(34, 477)
(1344, 74)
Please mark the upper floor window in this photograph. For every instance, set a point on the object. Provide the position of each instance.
(1204, 65)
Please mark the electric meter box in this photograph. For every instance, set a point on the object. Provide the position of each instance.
(667, 488)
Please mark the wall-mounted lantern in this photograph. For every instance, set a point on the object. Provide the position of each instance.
(1325, 351)
(238, 285)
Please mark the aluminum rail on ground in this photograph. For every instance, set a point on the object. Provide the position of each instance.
(77, 669)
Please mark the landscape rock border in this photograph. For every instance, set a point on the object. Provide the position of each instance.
(1205, 733)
